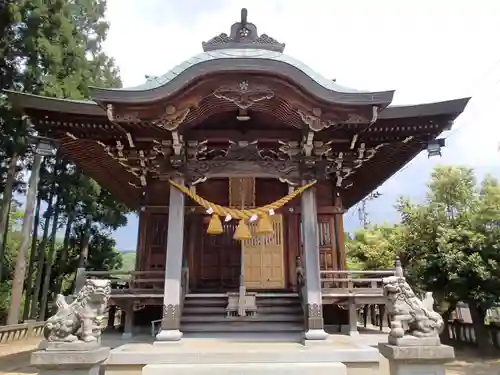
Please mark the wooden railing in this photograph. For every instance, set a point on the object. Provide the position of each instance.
(132, 282)
(21, 331)
(462, 333)
(364, 286)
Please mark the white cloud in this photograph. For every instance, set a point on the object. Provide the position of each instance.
(427, 50)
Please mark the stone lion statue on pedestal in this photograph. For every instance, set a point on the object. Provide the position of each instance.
(83, 319)
(409, 316)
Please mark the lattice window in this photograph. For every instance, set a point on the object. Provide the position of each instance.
(242, 192)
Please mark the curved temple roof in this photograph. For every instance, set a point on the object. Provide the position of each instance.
(242, 51)
(384, 145)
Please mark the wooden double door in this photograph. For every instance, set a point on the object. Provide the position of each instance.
(220, 261)
(263, 258)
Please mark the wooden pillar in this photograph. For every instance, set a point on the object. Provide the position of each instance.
(170, 324)
(111, 318)
(353, 317)
(314, 329)
(128, 327)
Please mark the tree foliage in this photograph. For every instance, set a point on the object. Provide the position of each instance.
(449, 243)
(54, 49)
(374, 247)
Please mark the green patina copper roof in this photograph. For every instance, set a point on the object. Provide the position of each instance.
(239, 53)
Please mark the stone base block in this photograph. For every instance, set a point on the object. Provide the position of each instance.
(61, 361)
(414, 341)
(169, 335)
(316, 334)
(328, 368)
(68, 346)
(417, 360)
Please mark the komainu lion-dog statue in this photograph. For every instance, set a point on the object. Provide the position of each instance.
(409, 316)
(83, 319)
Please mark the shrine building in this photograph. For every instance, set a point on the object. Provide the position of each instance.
(241, 162)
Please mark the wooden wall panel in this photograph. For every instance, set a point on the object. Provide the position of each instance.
(215, 190)
(158, 193)
(156, 242)
(324, 193)
(340, 243)
(331, 248)
(327, 253)
(141, 240)
(268, 190)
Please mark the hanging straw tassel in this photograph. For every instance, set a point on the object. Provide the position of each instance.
(242, 231)
(264, 225)
(215, 225)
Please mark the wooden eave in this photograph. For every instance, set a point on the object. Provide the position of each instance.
(404, 129)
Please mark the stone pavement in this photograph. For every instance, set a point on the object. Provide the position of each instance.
(15, 357)
(14, 360)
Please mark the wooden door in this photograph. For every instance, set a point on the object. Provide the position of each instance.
(220, 259)
(263, 258)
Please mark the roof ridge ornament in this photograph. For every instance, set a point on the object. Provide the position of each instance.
(243, 35)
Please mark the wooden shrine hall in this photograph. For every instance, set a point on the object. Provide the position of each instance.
(241, 162)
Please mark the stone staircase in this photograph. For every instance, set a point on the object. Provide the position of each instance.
(276, 313)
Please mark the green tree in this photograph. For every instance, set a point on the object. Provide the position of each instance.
(54, 49)
(452, 242)
(374, 248)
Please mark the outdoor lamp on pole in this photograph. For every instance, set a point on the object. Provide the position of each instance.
(42, 146)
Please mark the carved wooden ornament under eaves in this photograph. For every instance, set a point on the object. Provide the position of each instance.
(243, 95)
(172, 118)
(313, 119)
(118, 116)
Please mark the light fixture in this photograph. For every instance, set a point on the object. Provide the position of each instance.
(434, 147)
(44, 146)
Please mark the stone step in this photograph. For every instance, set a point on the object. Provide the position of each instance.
(250, 319)
(326, 368)
(242, 327)
(205, 302)
(198, 310)
(278, 302)
(218, 351)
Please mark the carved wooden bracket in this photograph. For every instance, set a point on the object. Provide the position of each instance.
(115, 115)
(314, 119)
(172, 118)
(243, 95)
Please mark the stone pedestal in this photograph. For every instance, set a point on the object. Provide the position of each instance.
(417, 359)
(75, 359)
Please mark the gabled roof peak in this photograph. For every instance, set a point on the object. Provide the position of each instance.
(243, 35)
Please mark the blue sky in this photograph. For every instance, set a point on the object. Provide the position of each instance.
(428, 50)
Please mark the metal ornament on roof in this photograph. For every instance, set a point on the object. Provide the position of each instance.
(243, 95)
(243, 35)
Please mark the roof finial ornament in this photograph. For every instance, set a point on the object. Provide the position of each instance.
(244, 15)
(243, 36)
